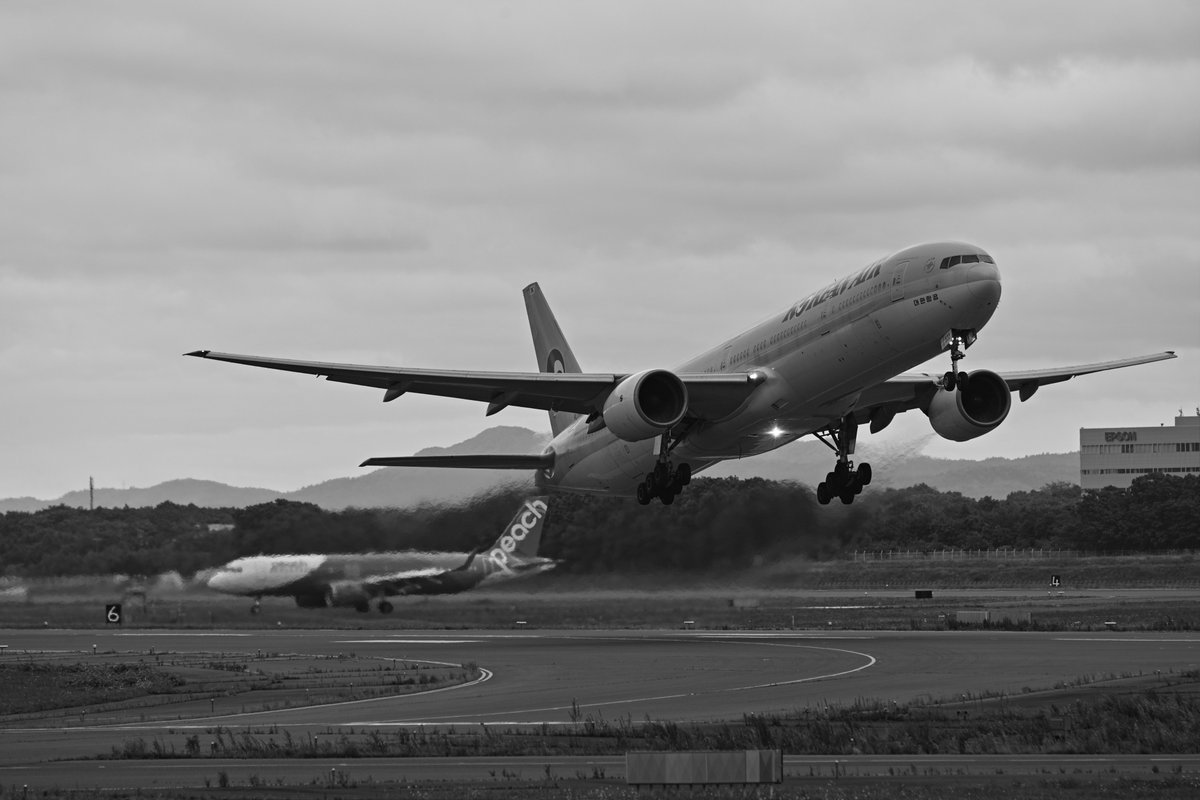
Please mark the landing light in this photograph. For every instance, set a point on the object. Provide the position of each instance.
(776, 431)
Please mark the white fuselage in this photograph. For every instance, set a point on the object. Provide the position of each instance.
(816, 356)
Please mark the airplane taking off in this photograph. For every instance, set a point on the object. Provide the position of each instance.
(317, 581)
(824, 366)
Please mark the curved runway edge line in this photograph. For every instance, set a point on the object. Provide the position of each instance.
(207, 722)
(450, 718)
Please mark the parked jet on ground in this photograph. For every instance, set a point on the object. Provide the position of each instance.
(317, 581)
(824, 366)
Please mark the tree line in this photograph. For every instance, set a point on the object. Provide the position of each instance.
(717, 524)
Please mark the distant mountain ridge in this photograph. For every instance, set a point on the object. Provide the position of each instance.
(804, 462)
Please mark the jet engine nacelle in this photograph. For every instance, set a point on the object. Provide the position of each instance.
(645, 404)
(346, 593)
(965, 413)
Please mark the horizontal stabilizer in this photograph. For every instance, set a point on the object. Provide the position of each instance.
(530, 461)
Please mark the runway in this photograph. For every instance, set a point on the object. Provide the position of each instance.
(559, 677)
(543, 676)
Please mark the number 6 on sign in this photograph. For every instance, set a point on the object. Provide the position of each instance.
(112, 614)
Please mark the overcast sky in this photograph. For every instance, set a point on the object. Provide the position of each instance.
(376, 182)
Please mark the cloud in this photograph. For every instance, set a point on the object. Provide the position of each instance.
(376, 181)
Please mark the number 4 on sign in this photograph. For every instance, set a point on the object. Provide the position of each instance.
(1054, 581)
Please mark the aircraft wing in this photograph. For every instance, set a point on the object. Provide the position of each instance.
(710, 396)
(881, 402)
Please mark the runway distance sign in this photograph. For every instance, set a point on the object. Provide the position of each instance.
(112, 613)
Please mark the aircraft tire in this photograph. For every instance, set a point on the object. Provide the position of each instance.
(847, 496)
(667, 496)
(962, 381)
(864, 474)
(823, 494)
(683, 474)
(385, 607)
(643, 494)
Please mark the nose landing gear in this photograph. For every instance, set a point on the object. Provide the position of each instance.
(957, 342)
(845, 482)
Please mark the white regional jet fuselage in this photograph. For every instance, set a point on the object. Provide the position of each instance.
(813, 359)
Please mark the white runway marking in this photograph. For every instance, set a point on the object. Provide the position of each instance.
(406, 641)
(185, 633)
(1124, 639)
(870, 662)
(207, 722)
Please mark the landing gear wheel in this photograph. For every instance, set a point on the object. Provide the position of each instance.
(847, 496)
(362, 607)
(643, 494)
(385, 607)
(863, 473)
(667, 497)
(949, 381)
(962, 381)
(254, 609)
(823, 493)
(683, 474)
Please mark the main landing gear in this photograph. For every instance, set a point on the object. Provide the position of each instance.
(666, 480)
(845, 482)
(257, 607)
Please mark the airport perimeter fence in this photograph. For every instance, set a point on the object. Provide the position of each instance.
(1010, 553)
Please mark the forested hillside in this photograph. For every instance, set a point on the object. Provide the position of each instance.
(724, 523)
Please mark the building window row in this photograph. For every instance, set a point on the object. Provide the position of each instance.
(1139, 470)
(1166, 447)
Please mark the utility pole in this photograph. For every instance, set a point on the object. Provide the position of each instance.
(91, 493)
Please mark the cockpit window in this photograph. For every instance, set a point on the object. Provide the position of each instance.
(970, 258)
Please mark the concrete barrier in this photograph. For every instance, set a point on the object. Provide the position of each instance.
(704, 768)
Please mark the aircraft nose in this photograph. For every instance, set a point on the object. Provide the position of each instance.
(219, 580)
(984, 280)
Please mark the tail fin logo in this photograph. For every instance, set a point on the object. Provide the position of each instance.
(554, 361)
(523, 524)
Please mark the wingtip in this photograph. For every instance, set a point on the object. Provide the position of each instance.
(199, 353)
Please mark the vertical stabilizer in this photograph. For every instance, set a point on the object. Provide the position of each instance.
(553, 352)
(520, 539)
